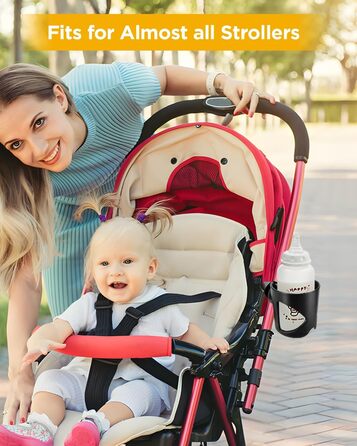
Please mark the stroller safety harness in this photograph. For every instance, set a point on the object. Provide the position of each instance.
(102, 370)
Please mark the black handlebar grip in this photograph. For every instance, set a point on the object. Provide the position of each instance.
(221, 106)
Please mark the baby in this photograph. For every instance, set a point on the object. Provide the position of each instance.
(120, 262)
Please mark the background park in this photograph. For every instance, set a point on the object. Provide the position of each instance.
(309, 386)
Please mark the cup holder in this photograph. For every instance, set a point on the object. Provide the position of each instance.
(295, 314)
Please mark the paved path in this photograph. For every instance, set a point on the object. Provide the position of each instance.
(309, 387)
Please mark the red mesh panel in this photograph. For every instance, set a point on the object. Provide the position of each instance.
(197, 174)
(197, 188)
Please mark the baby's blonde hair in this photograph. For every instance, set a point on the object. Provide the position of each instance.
(157, 214)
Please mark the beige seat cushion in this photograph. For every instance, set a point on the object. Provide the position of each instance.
(199, 253)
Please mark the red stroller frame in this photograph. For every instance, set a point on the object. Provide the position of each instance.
(207, 366)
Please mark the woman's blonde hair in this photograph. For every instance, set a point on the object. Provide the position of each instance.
(26, 219)
(157, 214)
(26, 198)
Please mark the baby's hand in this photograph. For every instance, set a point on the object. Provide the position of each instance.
(216, 343)
(42, 347)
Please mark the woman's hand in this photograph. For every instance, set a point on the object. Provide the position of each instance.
(19, 397)
(240, 93)
(175, 80)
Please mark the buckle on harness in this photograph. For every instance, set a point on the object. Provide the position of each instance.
(134, 313)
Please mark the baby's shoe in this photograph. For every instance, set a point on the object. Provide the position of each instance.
(25, 434)
(83, 433)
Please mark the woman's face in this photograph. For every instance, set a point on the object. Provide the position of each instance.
(39, 132)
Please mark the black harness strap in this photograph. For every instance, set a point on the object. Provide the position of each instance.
(102, 371)
(132, 316)
(158, 370)
(96, 393)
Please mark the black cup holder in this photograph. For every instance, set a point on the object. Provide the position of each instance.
(291, 310)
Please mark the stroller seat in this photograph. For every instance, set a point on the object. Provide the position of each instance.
(199, 253)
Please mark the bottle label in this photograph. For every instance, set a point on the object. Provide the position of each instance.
(293, 289)
(289, 318)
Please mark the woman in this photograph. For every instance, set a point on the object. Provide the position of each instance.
(61, 139)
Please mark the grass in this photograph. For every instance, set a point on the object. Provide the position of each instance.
(44, 311)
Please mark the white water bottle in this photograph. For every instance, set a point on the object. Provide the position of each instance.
(295, 275)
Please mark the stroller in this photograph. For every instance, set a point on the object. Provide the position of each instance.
(234, 215)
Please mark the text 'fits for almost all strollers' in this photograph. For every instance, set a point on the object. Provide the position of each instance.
(234, 215)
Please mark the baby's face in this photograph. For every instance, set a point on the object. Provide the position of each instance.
(122, 268)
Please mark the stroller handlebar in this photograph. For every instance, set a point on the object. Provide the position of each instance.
(221, 106)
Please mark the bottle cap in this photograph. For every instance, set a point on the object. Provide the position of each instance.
(296, 255)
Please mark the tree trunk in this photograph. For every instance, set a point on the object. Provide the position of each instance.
(138, 57)
(308, 98)
(351, 76)
(108, 57)
(156, 59)
(90, 56)
(176, 61)
(350, 71)
(59, 61)
(94, 56)
(17, 31)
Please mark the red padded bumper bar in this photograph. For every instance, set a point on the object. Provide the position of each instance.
(117, 346)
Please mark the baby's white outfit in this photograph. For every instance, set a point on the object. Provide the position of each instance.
(141, 392)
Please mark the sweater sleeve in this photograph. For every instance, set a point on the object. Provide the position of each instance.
(140, 81)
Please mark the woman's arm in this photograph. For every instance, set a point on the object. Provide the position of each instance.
(196, 336)
(176, 80)
(24, 303)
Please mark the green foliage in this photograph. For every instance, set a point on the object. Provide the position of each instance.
(3, 315)
(44, 313)
(332, 109)
(4, 51)
(250, 7)
(35, 57)
(152, 7)
(284, 64)
(29, 55)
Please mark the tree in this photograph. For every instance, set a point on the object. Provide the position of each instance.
(283, 65)
(340, 38)
(153, 7)
(94, 56)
